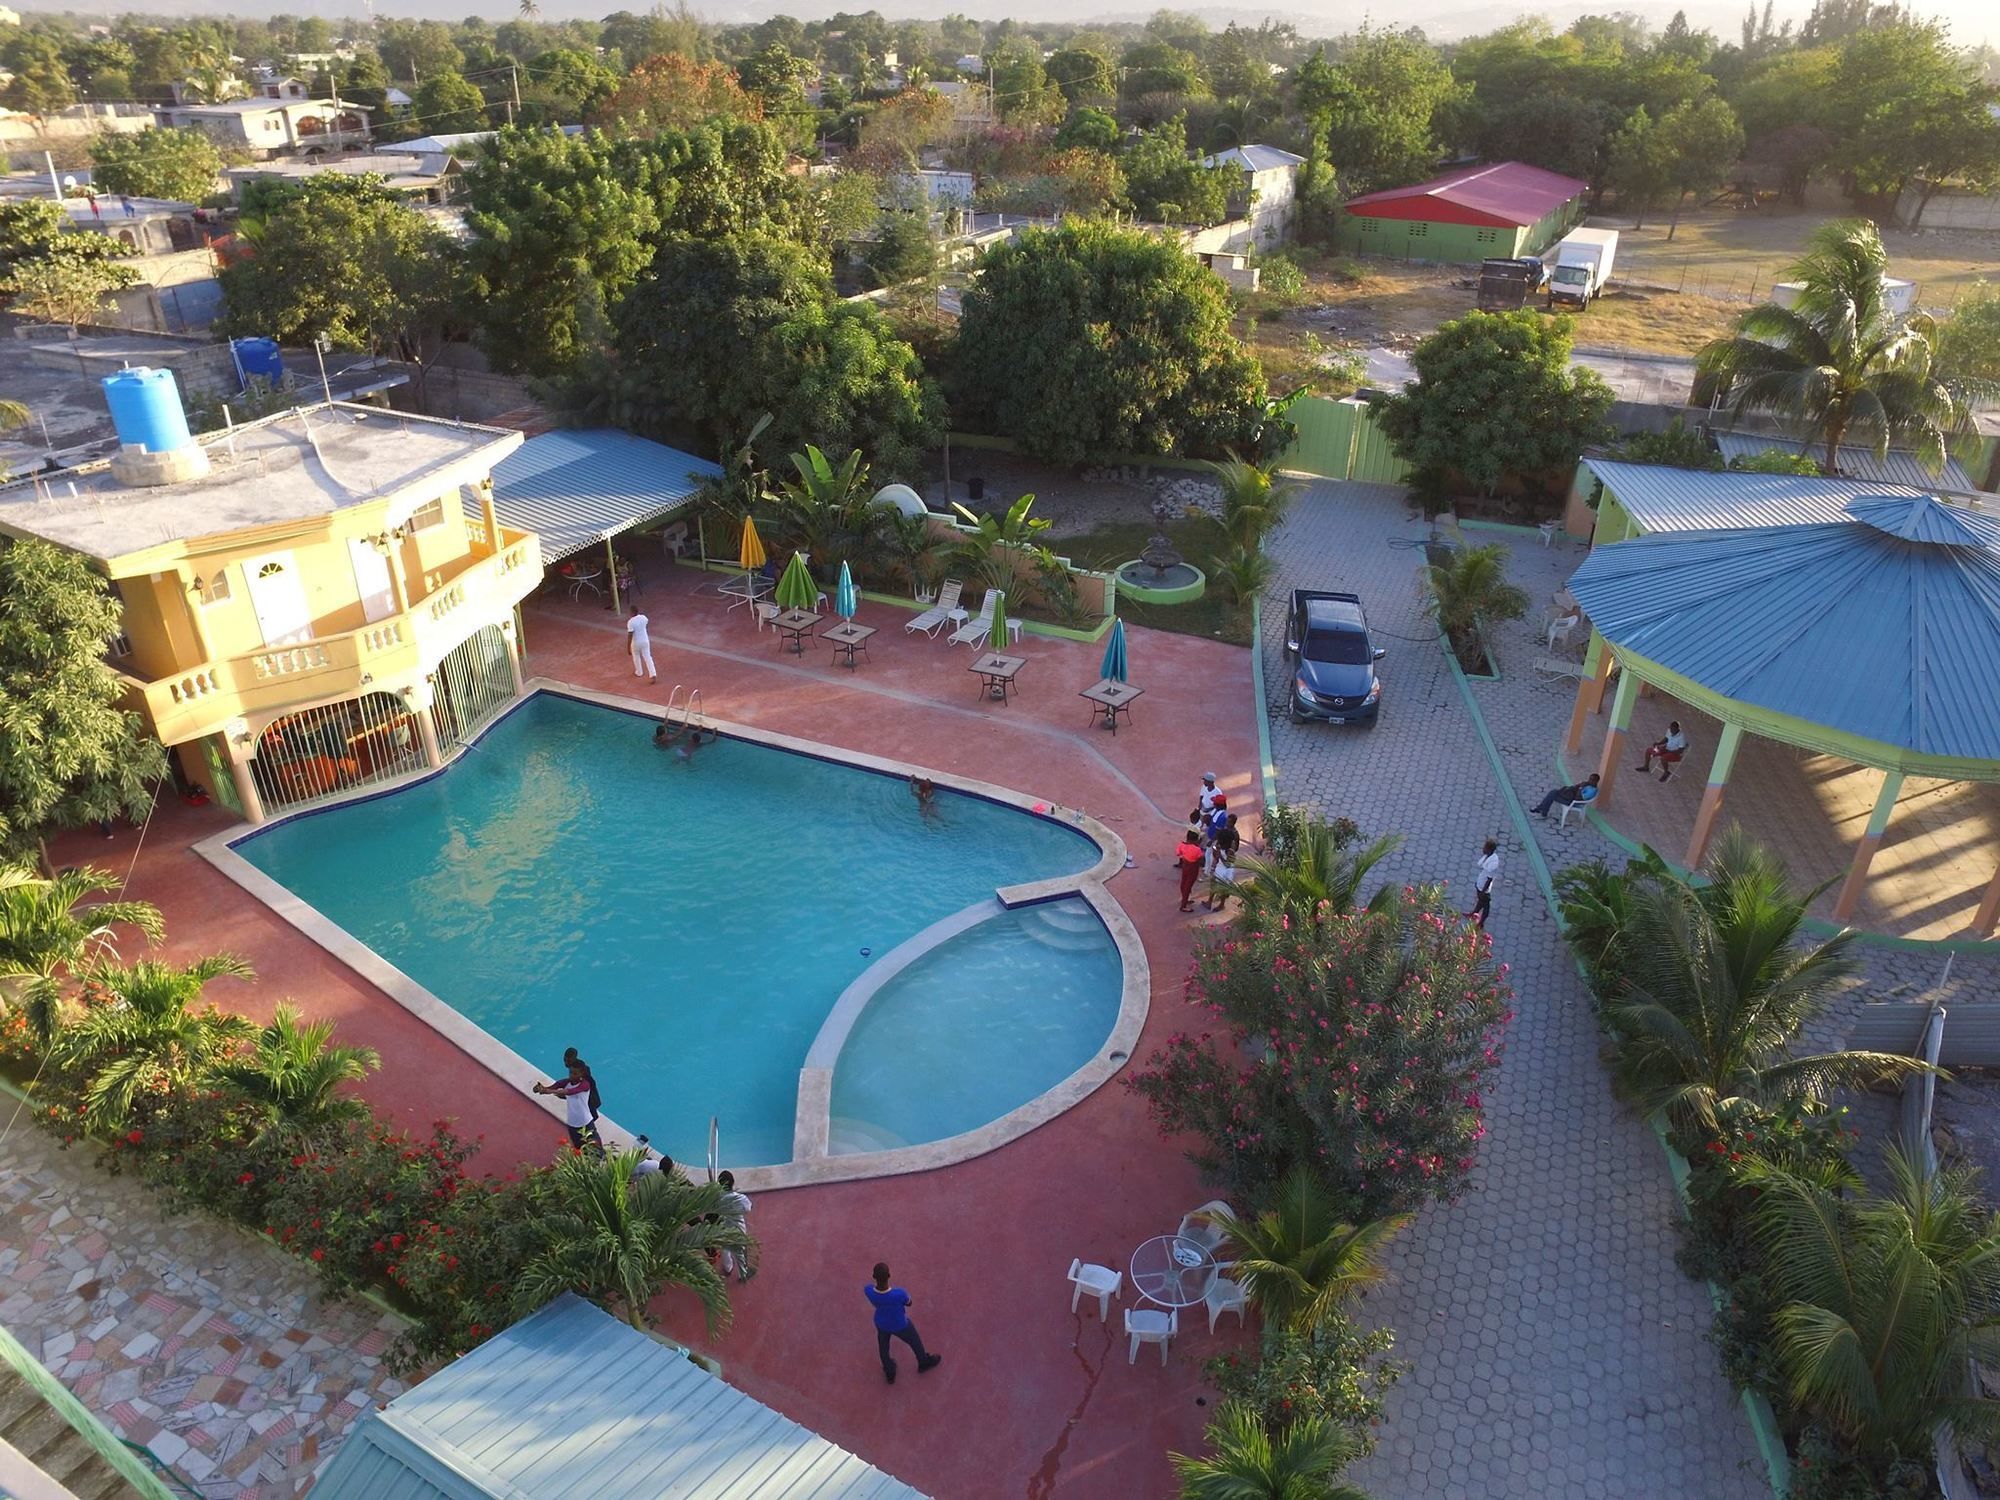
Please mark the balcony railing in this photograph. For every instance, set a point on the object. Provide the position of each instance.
(202, 699)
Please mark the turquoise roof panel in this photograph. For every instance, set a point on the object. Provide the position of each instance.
(572, 1402)
(1897, 466)
(1661, 498)
(579, 488)
(1843, 624)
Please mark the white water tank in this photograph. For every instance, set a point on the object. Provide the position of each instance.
(905, 499)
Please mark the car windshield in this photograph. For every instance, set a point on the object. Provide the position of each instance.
(1348, 648)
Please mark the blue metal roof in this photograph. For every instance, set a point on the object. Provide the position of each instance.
(578, 488)
(1897, 466)
(1883, 625)
(572, 1402)
(1661, 498)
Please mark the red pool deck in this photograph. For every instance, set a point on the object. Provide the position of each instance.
(1031, 1401)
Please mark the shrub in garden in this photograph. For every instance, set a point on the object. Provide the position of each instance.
(1250, 1461)
(1355, 1045)
(1299, 1261)
(1338, 1372)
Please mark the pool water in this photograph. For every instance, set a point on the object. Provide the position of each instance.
(687, 925)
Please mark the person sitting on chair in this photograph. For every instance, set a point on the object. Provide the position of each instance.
(1582, 791)
(1667, 751)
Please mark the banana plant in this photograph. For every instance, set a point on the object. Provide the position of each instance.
(988, 551)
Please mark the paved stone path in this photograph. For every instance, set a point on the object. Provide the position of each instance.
(215, 1352)
(1555, 1348)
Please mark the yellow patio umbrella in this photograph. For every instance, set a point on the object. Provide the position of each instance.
(750, 555)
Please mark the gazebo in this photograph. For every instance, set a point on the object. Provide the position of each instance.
(1874, 637)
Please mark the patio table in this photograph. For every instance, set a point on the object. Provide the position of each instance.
(1111, 698)
(795, 624)
(744, 590)
(848, 638)
(996, 673)
(1173, 1271)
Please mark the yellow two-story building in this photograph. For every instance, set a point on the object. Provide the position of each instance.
(314, 602)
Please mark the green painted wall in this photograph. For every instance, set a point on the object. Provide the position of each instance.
(1464, 244)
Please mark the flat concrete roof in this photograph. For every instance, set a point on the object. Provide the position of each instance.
(295, 466)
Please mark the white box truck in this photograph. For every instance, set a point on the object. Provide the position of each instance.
(1580, 265)
(1899, 295)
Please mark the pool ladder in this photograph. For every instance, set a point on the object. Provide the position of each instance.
(692, 715)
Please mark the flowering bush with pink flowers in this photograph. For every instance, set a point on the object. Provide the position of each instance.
(1358, 1042)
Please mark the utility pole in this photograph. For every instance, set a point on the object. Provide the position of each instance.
(515, 70)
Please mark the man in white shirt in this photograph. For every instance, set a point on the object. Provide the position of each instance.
(1667, 751)
(735, 1213)
(1482, 884)
(642, 647)
(1206, 802)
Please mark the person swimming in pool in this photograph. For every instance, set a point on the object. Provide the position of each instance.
(925, 791)
(696, 738)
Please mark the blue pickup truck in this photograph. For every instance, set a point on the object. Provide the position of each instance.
(1333, 659)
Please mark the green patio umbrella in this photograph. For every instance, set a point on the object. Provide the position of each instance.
(796, 590)
(1116, 665)
(846, 598)
(996, 638)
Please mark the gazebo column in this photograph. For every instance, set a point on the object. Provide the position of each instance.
(1589, 691)
(1864, 853)
(1711, 797)
(1614, 737)
(1989, 908)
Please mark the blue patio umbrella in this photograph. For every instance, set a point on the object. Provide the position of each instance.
(846, 598)
(1115, 663)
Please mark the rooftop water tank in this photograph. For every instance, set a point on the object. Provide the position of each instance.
(902, 497)
(259, 359)
(154, 444)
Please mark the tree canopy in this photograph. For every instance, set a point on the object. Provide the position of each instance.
(446, 104)
(1091, 340)
(1167, 185)
(1495, 399)
(182, 165)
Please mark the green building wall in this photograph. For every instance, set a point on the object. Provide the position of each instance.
(1458, 244)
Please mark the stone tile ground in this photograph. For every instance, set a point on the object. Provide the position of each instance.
(1555, 1349)
(199, 1343)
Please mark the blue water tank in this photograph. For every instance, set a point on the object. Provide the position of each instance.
(146, 409)
(259, 358)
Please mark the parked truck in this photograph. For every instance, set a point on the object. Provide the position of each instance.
(1580, 265)
(1507, 284)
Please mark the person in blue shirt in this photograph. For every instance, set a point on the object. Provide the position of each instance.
(1582, 791)
(892, 1321)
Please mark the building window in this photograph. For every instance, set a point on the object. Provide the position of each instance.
(424, 517)
(1370, 226)
(1487, 236)
(1418, 231)
(215, 590)
(121, 646)
(271, 570)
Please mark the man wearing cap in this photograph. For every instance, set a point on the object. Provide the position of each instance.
(1217, 819)
(1209, 795)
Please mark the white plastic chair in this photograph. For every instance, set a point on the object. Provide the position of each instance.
(1225, 1295)
(1547, 530)
(1101, 1282)
(933, 619)
(974, 631)
(1567, 810)
(1145, 1326)
(1195, 1225)
(674, 540)
(765, 613)
(1561, 627)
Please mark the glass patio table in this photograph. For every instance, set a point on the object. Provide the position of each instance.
(1173, 1271)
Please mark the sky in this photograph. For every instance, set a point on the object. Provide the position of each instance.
(1971, 21)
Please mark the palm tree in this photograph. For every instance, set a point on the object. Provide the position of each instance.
(989, 549)
(148, 1037)
(1318, 877)
(1841, 361)
(530, 10)
(292, 1073)
(619, 1238)
(47, 933)
(1254, 501)
(1300, 1261)
(1719, 985)
(13, 414)
(1885, 1303)
(1468, 587)
(1250, 1464)
(826, 507)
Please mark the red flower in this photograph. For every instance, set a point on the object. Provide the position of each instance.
(319, 1255)
(247, 1178)
(134, 1137)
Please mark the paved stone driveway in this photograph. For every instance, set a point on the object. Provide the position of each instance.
(1555, 1348)
(213, 1351)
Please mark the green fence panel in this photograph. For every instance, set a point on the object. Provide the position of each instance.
(1375, 462)
(1326, 437)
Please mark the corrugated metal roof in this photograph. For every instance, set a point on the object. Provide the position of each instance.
(1662, 498)
(1253, 158)
(577, 488)
(1839, 624)
(1898, 466)
(571, 1402)
(1509, 190)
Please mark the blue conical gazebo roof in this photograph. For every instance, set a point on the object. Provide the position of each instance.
(1883, 628)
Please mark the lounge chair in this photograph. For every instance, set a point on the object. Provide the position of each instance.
(974, 631)
(932, 620)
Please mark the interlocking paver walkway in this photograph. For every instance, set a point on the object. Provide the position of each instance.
(213, 1351)
(1555, 1348)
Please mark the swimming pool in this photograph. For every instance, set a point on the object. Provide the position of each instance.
(688, 925)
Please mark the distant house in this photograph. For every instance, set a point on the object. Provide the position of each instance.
(1503, 210)
(273, 126)
(284, 87)
(971, 62)
(429, 179)
(396, 99)
(940, 189)
(1271, 185)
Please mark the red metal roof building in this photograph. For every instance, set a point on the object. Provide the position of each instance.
(1505, 209)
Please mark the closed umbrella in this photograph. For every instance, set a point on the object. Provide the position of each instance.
(796, 589)
(997, 636)
(1115, 663)
(846, 599)
(750, 556)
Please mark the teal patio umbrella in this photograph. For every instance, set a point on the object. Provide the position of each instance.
(996, 638)
(846, 598)
(796, 589)
(1116, 665)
